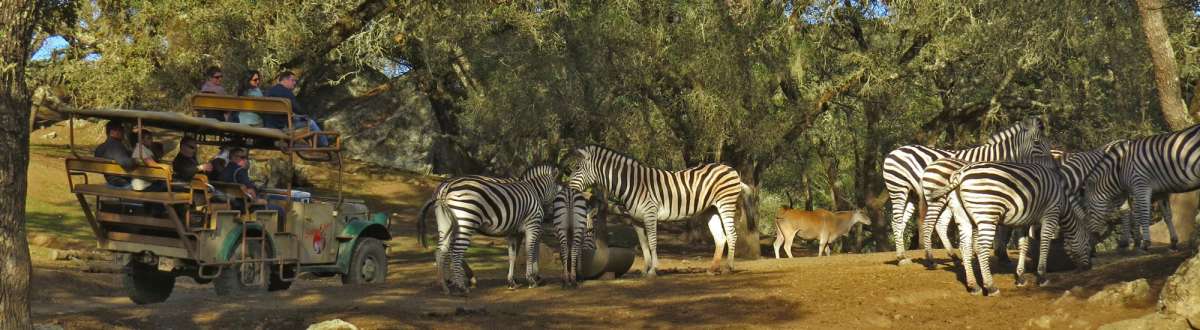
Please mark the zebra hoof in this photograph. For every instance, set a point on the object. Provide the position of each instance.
(991, 292)
(651, 274)
(903, 262)
(975, 291)
(1043, 282)
(1021, 282)
(512, 285)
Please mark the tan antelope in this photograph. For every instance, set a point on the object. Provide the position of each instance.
(820, 224)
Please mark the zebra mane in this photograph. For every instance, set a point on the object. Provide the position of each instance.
(593, 150)
(1011, 131)
(1107, 163)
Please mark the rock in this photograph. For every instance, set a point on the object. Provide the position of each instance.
(1064, 297)
(334, 324)
(49, 136)
(1128, 293)
(1057, 320)
(391, 128)
(47, 326)
(1151, 321)
(1181, 293)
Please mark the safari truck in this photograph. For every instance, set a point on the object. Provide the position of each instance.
(194, 229)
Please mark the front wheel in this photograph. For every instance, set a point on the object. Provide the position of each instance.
(147, 285)
(368, 264)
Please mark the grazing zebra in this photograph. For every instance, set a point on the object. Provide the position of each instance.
(571, 224)
(903, 169)
(984, 196)
(495, 207)
(1144, 170)
(652, 195)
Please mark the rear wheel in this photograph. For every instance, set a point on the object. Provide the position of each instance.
(146, 285)
(243, 277)
(369, 263)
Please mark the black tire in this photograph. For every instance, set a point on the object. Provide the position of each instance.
(277, 283)
(230, 280)
(368, 264)
(146, 285)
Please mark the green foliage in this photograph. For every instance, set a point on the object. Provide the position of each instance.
(779, 89)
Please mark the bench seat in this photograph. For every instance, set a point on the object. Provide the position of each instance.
(144, 196)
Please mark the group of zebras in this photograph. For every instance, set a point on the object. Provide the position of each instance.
(1016, 181)
(515, 209)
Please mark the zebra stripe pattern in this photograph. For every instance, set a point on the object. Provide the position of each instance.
(495, 207)
(904, 168)
(985, 196)
(652, 195)
(571, 226)
(1145, 170)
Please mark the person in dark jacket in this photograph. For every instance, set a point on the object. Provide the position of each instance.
(185, 166)
(284, 88)
(237, 171)
(114, 149)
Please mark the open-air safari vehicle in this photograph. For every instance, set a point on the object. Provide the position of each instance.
(193, 229)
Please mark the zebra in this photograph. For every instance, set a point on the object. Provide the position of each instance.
(1144, 170)
(1073, 165)
(572, 220)
(1029, 194)
(903, 169)
(651, 195)
(495, 207)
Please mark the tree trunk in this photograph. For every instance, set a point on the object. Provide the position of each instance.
(831, 173)
(16, 21)
(1166, 79)
(1166, 72)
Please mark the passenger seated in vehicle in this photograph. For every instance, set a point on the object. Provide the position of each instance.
(284, 88)
(185, 166)
(114, 149)
(144, 156)
(212, 85)
(218, 164)
(236, 171)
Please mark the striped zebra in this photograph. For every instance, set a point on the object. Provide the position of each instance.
(1073, 165)
(652, 195)
(514, 209)
(904, 168)
(984, 196)
(572, 228)
(1143, 171)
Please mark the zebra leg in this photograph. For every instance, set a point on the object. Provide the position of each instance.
(643, 243)
(564, 248)
(1141, 213)
(1023, 247)
(1164, 203)
(718, 234)
(458, 249)
(966, 245)
(1126, 231)
(533, 241)
(899, 220)
(934, 212)
(1049, 233)
(986, 230)
(575, 256)
(514, 243)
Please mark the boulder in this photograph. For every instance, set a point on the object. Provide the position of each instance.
(390, 126)
(334, 324)
(1129, 293)
(1181, 293)
(1152, 321)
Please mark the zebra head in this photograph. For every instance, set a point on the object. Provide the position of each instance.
(1076, 236)
(545, 178)
(1101, 188)
(584, 172)
(1031, 124)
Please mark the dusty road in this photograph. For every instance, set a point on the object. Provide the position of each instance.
(844, 291)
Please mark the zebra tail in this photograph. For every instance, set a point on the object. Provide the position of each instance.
(421, 222)
(955, 181)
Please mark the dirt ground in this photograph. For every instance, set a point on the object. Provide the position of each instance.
(842, 292)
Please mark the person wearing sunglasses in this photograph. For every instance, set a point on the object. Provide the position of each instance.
(212, 85)
(249, 87)
(185, 166)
